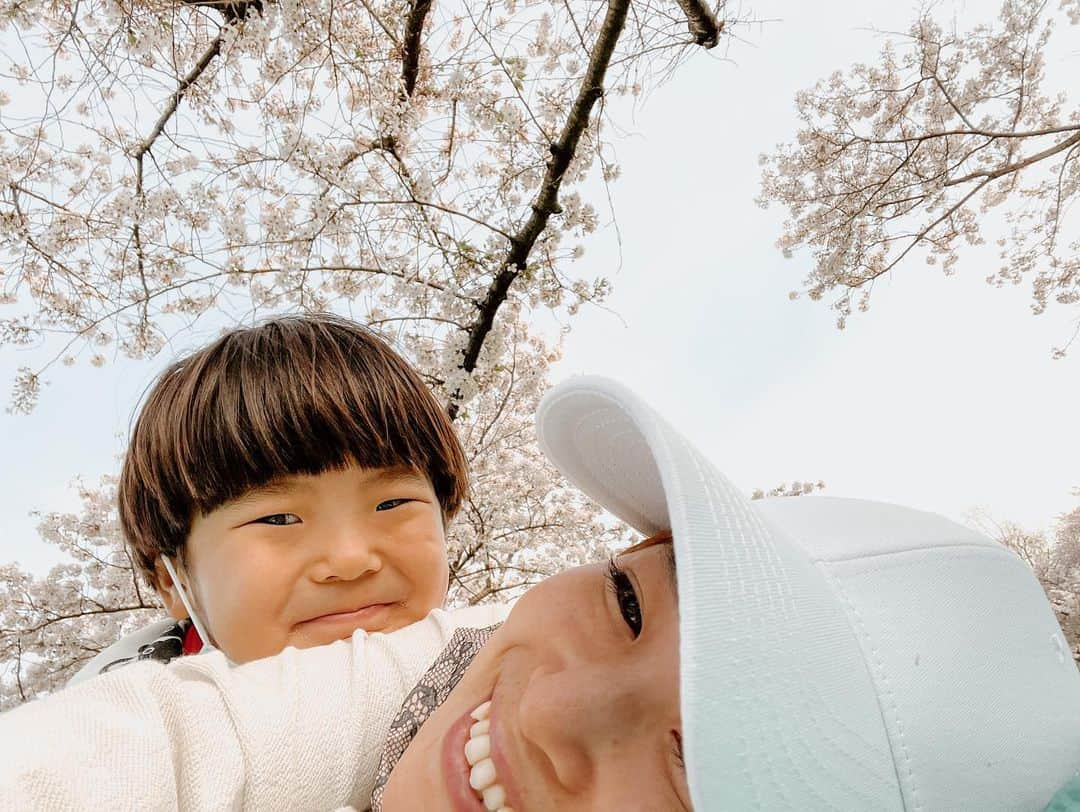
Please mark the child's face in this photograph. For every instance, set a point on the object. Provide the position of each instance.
(309, 560)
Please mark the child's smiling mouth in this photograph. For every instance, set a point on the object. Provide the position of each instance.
(370, 617)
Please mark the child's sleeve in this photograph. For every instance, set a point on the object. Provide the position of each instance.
(302, 730)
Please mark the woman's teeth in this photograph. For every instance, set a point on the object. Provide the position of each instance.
(482, 778)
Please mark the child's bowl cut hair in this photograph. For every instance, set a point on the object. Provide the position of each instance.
(295, 395)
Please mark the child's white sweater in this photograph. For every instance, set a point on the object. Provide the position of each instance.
(302, 730)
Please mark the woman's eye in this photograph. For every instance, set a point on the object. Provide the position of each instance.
(623, 589)
(278, 519)
(390, 504)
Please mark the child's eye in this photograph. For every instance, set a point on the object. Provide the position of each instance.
(390, 504)
(278, 519)
(625, 595)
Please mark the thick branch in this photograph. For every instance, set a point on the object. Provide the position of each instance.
(1016, 167)
(547, 202)
(231, 10)
(410, 52)
(702, 22)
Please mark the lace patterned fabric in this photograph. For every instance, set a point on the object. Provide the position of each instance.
(430, 692)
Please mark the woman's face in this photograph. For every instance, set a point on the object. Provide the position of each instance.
(583, 683)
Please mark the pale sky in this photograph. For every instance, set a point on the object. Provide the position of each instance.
(943, 397)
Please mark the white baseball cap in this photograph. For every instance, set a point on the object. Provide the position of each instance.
(835, 653)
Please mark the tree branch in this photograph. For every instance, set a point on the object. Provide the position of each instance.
(177, 95)
(1067, 128)
(59, 618)
(918, 238)
(410, 52)
(231, 10)
(702, 23)
(1016, 167)
(159, 126)
(546, 203)
(385, 28)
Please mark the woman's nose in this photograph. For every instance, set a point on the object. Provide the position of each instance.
(345, 554)
(577, 717)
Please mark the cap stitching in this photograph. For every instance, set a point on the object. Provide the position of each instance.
(992, 549)
(883, 677)
(914, 557)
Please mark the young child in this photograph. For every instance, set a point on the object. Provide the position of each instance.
(286, 486)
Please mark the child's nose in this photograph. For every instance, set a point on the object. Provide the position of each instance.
(347, 554)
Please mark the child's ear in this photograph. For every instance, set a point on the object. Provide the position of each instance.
(166, 590)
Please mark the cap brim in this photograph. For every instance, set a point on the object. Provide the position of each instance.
(755, 616)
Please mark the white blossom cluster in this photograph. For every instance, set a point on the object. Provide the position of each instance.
(49, 626)
(519, 525)
(796, 488)
(164, 157)
(1054, 557)
(912, 154)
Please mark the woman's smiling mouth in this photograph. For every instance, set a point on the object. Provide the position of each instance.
(483, 777)
(469, 772)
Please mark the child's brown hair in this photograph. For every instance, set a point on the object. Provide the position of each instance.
(295, 395)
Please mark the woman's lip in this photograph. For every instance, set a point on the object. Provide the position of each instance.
(502, 768)
(455, 768)
(365, 614)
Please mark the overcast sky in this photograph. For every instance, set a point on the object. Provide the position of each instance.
(942, 397)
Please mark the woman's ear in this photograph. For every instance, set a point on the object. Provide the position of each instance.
(168, 593)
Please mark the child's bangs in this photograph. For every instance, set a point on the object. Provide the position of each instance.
(295, 395)
(264, 413)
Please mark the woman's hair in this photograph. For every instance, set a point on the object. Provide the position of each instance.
(295, 395)
(663, 537)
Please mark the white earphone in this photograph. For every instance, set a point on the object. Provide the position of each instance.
(208, 643)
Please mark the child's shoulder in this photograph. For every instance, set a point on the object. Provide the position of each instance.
(486, 614)
(162, 640)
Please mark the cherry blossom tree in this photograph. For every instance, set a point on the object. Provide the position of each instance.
(420, 166)
(948, 135)
(1054, 557)
(796, 488)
